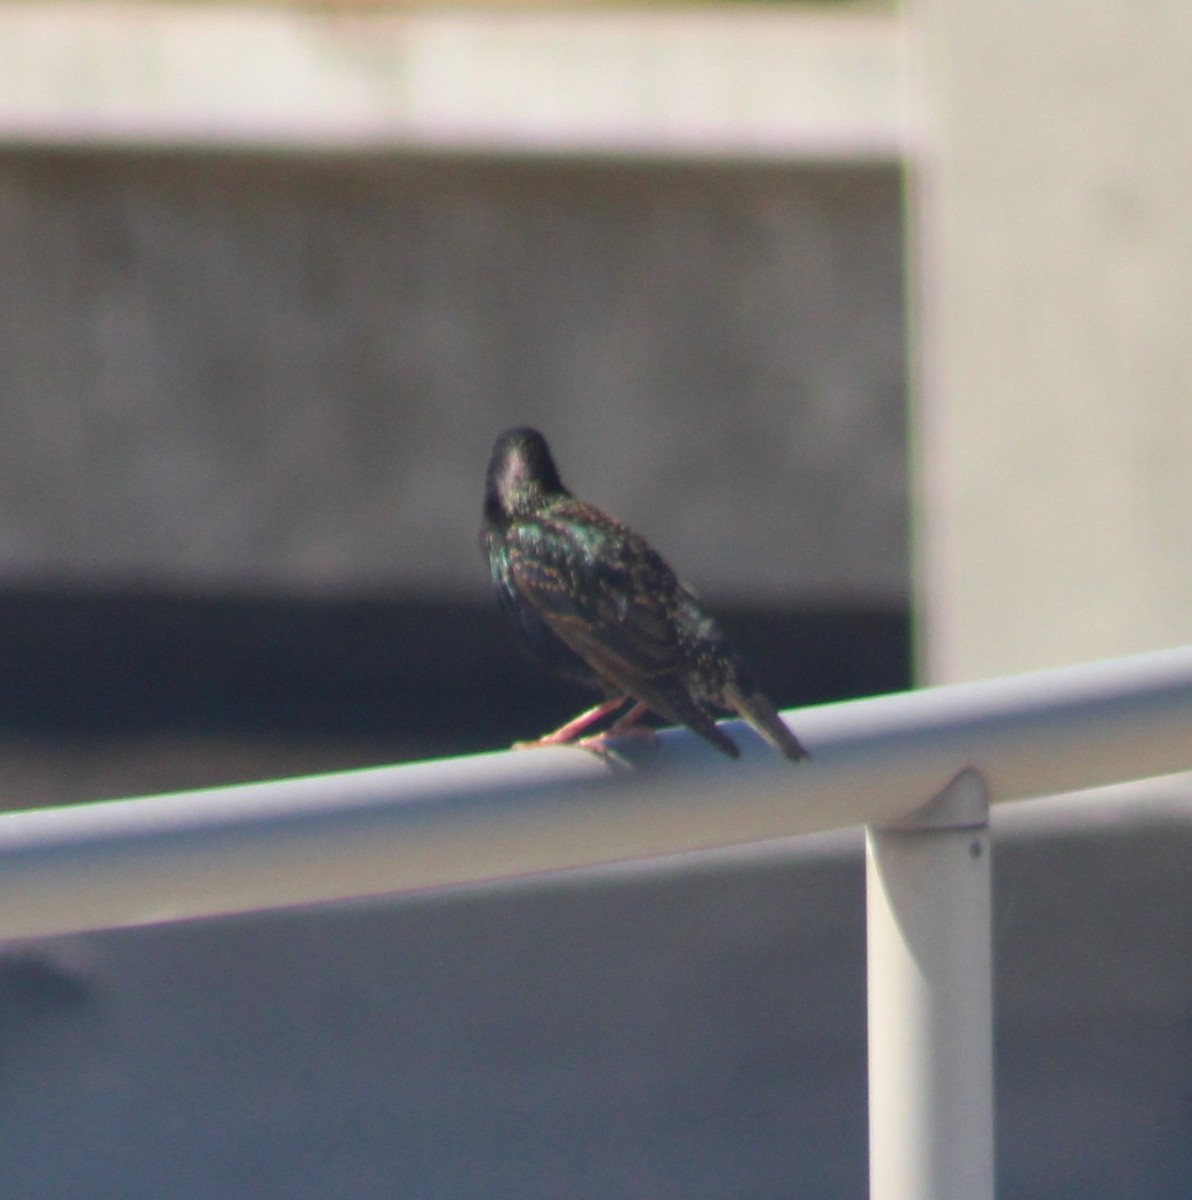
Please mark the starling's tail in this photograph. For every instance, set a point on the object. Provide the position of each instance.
(759, 712)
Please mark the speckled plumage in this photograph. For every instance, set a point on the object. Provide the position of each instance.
(597, 604)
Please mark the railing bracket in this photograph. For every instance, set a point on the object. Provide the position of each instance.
(962, 803)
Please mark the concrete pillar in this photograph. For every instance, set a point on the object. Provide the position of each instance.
(1055, 332)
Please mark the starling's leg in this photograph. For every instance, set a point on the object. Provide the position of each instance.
(569, 732)
(628, 726)
(625, 726)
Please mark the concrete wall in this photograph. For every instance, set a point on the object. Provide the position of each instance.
(252, 373)
(1055, 516)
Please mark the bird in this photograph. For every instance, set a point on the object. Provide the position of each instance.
(598, 605)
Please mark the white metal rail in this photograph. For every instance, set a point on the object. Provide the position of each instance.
(919, 768)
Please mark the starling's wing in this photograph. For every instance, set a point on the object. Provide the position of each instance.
(608, 596)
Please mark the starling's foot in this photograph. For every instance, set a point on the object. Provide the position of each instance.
(599, 745)
(625, 729)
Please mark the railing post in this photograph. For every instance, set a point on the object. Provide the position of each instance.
(930, 1001)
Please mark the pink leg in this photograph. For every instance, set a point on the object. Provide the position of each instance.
(569, 732)
(626, 726)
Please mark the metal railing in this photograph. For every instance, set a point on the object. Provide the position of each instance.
(919, 768)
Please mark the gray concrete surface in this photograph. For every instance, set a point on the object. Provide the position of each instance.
(1055, 257)
(268, 373)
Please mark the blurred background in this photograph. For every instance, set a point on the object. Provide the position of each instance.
(280, 277)
(873, 320)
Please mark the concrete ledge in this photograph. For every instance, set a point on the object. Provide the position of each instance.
(746, 82)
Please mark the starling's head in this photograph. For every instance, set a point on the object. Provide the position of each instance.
(521, 475)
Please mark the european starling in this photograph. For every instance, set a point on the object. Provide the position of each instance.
(597, 604)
